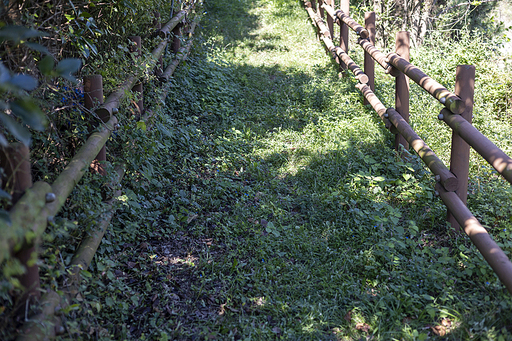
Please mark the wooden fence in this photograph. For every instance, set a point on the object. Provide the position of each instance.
(452, 183)
(34, 205)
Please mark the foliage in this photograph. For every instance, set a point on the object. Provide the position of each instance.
(14, 89)
(38, 91)
(421, 18)
(265, 202)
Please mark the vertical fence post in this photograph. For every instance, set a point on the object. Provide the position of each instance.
(369, 63)
(158, 25)
(93, 96)
(330, 21)
(402, 86)
(345, 7)
(321, 9)
(459, 159)
(315, 8)
(176, 43)
(15, 161)
(137, 48)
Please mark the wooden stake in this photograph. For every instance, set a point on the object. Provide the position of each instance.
(93, 96)
(139, 92)
(17, 172)
(369, 63)
(402, 86)
(459, 159)
(330, 21)
(345, 7)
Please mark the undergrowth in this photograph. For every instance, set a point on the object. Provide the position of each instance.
(266, 202)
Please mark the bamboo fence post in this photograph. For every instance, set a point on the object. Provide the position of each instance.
(313, 5)
(345, 7)
(330, 21)
(369, 63)
(17, 172)
(176, 42)
(93, 97)
(321, 11)
(459, 158)
(137, 49)
(402, 86)
(158, 26)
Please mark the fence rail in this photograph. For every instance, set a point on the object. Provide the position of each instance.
(37, 204)
(451, 182)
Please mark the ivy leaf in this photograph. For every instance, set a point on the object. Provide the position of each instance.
(4, 195)
(91, 45)
(19, 33)
(68, 66)
(24, 82)
(5, 75)
(37, 47)
(30, 113)
(141, 125)
(3, 141)
(46, 65)
(4, 216)
(19, 132)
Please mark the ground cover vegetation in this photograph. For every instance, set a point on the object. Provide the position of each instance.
(266, 201)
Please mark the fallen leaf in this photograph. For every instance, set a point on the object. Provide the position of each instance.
(446, 322)
(363, 327)
(131, 265)
(277, 330)
(439, 330)
(258, 196)
(348, 316)
(407, 320)
(155, 305)
(191, 217)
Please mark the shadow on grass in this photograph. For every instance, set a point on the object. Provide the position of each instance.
(344, 245)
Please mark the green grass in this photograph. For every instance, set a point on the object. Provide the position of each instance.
(271, 204)
(351, 227)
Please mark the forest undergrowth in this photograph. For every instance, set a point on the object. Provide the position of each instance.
(267, 201)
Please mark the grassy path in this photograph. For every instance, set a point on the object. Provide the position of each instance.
(315, 229)
(287, 214)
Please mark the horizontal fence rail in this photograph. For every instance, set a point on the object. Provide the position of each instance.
(445, 97)
(500, 161)
(39, 203)
(451, 183)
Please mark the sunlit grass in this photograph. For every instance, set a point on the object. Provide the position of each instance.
(318, 230)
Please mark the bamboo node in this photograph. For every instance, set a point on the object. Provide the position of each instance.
(50, 197)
